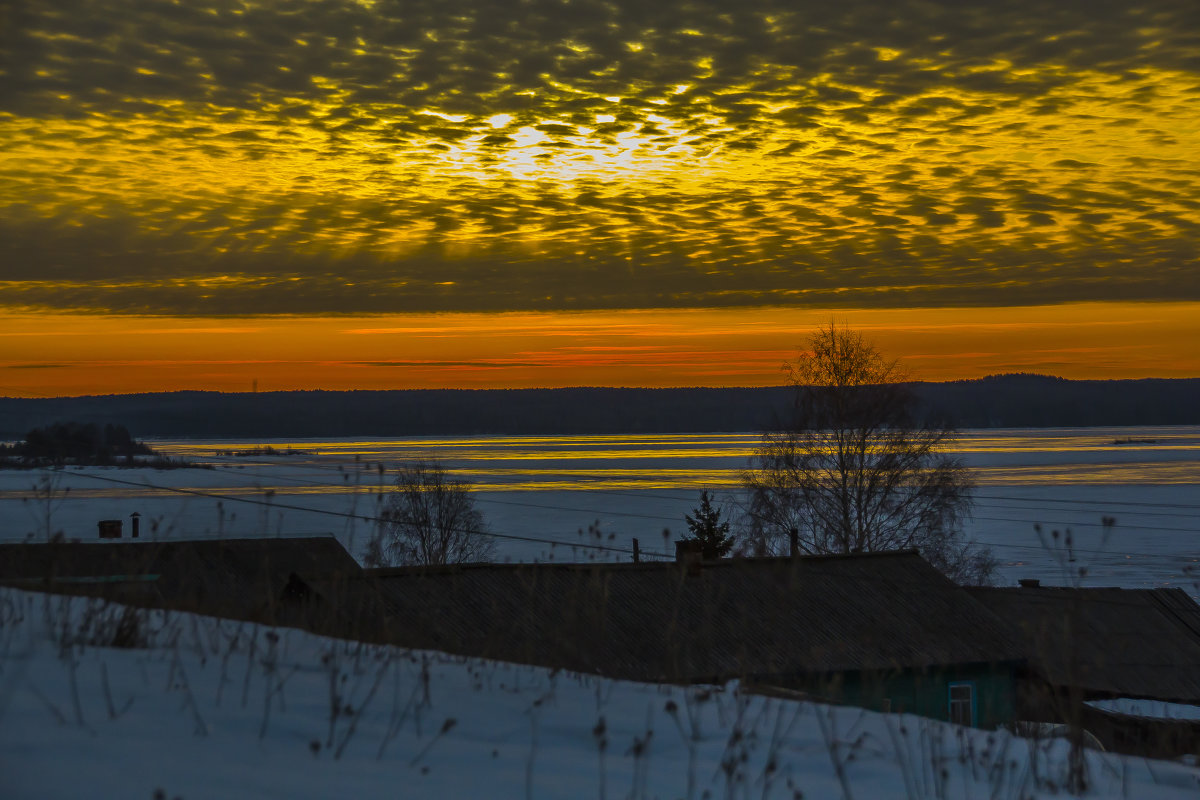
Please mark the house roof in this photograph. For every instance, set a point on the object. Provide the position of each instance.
(309, 554)
(751, 618)
(237, 577)
(655, 621)
(1118, 642)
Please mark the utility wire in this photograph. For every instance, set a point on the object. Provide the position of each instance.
(476, 497)
(366, 518)
(1057, 555)
(608, 512)
(554, 542)
(646, 494)
(660, 518)
(1084, 524)
(1094, 502)
(1035, 502)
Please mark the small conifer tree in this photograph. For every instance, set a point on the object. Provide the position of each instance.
(708, 529)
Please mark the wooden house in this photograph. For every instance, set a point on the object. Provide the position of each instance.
(884, 631)
(1106, 642)
(1084, 644)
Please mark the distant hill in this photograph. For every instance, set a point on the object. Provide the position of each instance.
(1042, 401)
(1017, 401)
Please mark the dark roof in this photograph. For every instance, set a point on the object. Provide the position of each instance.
(236, 577)
(654, 621)
(1120, 642)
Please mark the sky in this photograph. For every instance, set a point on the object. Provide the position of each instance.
(347, 194)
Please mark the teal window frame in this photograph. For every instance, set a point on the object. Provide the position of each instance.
(974, 704)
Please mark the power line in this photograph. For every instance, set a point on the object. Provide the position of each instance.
(1085, 524)
(553, 542)
(1095, 502)
(366, 518)
(601, 512)
(647, 494)
(477, 496)
(1033, 507)
(560, 543)
(1113, 553)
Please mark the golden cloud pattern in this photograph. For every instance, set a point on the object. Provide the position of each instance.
(222, 157)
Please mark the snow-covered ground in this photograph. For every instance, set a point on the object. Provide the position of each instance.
(215, 709)
(551, 489)
(1155, 709)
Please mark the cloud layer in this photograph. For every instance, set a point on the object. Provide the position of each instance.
(337, 156)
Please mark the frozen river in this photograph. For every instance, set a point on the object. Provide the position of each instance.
(540, 495)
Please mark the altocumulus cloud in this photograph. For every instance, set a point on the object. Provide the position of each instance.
(339, 156)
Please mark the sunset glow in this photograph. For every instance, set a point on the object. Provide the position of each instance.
(475, 193)
(51, 354)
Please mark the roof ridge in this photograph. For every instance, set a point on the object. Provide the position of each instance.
(722, 563)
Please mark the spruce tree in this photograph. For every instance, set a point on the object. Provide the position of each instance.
(708, 529)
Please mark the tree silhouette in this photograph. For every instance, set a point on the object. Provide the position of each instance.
(430, 519)
(854, 472)
(708, 529)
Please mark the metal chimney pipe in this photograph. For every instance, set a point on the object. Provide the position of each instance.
(135, 519)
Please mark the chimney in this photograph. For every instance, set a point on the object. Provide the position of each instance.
(689, 554)
(794, 542)
(134, 520)
(1029, 583)
(636, 551)
(109, 528)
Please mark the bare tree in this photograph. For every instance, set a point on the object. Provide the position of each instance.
(854, 471)
(430, 518)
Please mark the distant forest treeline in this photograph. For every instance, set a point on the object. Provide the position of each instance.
(74, 443)
(1014, 401)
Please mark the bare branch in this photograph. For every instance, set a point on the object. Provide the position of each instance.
(430, 518)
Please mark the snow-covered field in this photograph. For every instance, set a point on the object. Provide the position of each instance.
(545, 492)
(215, 709)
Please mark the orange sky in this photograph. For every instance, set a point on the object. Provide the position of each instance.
(47, 354)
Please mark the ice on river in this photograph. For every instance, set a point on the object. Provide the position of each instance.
(587, 497)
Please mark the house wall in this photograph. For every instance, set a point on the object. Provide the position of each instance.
(922, 692)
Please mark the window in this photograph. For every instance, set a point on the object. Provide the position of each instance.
(962, 704)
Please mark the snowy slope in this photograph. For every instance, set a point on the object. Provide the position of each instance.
(211, 708)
